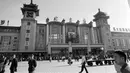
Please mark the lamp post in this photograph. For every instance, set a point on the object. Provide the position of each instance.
(70, 40)
(102, 51)
(102, 48)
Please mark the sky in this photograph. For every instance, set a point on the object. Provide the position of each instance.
(118, 10)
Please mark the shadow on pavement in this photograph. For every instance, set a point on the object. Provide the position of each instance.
(63, 66)
(96, 65)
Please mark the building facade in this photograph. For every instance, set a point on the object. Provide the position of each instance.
(61, 37)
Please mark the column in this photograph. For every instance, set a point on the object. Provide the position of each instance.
(92, 35)
(47, 35)
(70, 47)
(63, 33)
(89, 39)
(89, 50)
(79, 33)
(49, 49)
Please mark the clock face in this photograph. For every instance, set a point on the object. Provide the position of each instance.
(30, 14)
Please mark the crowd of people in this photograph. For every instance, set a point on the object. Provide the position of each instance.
(120, 62)
(13, 62)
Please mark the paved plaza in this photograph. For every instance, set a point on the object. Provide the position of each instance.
(62, 67)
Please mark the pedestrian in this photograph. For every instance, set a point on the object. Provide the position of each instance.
(5, 62)
(50, 58)
(32, 64)
(83, 65)
(14, 64)
(70, 60)
(2, 66)
(9, 61)
(58, 58)
(120, 59)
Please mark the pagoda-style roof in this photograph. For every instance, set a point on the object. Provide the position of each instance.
(30, 7)
(99, 15)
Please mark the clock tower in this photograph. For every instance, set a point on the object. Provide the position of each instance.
(28, 27)
(104, 29)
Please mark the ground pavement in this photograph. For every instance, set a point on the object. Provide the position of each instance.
(62, 67)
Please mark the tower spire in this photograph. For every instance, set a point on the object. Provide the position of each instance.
(31, 1)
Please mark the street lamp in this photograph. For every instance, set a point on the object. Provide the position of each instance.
(102, 48)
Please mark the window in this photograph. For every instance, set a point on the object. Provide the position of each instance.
(27, 27)
(26, 43)
(41, 30)
(27, 31)
(28, 23)
(14, 44)
(54, 36)
(113, 43)
(27, 39)
(129, 41)
(27, 34)
(15, 37)
(123, 42)
(26, 47)
(71, 35)
(108, 40)
(107, 34)
(85, 36)
(15, 41)
(117, 42)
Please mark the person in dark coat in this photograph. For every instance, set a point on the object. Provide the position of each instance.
(9, 61)
(70, 60)
(32, 64)
(83, 65)
(2, 66)
(14, 64)
(120, 59)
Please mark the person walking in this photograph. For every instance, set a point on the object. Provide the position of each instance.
(50, 58)
(9, 61)
(32, 64)
(70, 60)
(2, 66)
(14, 64)
(83, 65)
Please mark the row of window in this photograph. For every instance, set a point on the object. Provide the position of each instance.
(121, 41)
(9, 30)
(121, 35)
(27, 35)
